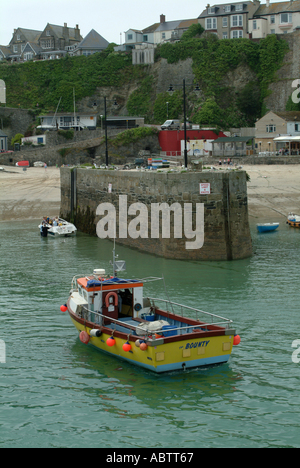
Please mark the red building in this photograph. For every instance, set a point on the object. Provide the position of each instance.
(170, 140)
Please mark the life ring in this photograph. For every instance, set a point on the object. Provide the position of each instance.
(109, 295)
(138, 307)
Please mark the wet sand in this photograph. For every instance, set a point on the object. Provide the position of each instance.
(29, 194)
(273, 192)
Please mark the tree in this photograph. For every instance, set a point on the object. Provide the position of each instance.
(17, 139)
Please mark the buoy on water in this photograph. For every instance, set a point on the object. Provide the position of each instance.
(64, 308)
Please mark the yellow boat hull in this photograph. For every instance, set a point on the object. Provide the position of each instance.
(162, 356)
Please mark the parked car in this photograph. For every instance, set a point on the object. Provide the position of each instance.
(171, 125)
(38, 164)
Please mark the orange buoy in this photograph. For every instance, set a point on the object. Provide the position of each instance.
(84, 337)
(111, 341)
(143, 346)
(126, 347)
(64, 308)
(236, 340)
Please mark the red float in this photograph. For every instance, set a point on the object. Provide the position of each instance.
(84, 337)
(236, 340)
(111, 341)
(126, 347)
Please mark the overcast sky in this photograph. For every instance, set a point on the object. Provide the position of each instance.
(108, 18)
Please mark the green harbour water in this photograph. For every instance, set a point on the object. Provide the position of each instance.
(57, 392)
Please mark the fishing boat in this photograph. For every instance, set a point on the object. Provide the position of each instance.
(293, 220)
(112, 314)
(267, 227)
(56, 227)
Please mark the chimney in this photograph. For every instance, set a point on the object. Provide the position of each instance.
(267, 3)
(77, 33)
(65, 25)
(162, 19)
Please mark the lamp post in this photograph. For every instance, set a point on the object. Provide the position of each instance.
(106, 147)
(171, 91)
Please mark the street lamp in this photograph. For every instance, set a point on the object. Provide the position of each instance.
(171, 91)
(105, 122)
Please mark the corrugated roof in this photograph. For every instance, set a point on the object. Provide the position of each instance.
(232, 139)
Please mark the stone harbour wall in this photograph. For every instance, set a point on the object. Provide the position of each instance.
(226, 224)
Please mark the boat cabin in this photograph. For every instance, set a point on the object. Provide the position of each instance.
(113, 298)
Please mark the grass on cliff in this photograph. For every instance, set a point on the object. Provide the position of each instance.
(40, 85)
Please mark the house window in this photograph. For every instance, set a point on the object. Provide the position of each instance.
(163, 35)
(47, 33)
(272, 19)
(272, 31)
(271, 128)
(225, 22)
(239, 7)
(236, 34)
(236, 20)
(296, 127)
(225, 35)
(227, 8)
(15, 49)
(254, 24)
(145, 38)
(18, 37)
(47, 44)
(211, 23)
(211, 11)
(129, 37)
(285, 18)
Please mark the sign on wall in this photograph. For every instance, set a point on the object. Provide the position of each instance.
(204, 189)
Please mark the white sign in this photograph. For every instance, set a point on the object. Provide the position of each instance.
(204, 189)
(109, 188)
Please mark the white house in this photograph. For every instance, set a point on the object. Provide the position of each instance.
(275, 18)
(67, 120)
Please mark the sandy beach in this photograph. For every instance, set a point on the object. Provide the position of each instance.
(29, 194)
(273, 191)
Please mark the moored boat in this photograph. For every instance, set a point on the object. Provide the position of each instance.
(267, 227)
(112, 314)
(293, 220)
(56, 227)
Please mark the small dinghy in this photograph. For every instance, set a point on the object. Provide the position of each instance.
(57, 227)
(293, 220)
(267, 227)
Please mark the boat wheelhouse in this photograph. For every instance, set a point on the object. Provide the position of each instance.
(113, 315)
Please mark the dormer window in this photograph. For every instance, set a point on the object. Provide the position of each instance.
(47, 33)
(239, 7)
(211, 11)
(227, 8)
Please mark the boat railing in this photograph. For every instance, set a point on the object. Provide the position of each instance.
(97, 318)
(215, 319)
